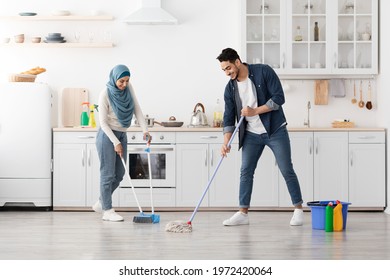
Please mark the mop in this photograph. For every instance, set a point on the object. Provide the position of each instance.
(185, 227)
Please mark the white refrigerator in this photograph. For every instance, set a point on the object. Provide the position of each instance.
(25, 145)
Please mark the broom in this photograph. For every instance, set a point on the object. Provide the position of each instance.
(184, 227)
(141, 217)
(155, 217)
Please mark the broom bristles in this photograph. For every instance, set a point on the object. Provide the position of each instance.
(179, 227)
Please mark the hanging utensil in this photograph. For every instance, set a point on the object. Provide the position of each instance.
(369, 104)
(361, 102)
(354, 93)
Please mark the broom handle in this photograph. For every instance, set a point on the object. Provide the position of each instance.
(131, 184)
(150, 181)
(215, 171)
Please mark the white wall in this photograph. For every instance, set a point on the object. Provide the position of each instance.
(173, 67)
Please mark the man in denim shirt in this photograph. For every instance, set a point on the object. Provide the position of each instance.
(255, 91)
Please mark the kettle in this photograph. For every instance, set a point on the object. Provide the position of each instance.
(198, 117)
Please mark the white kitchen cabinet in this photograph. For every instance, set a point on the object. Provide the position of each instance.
(302, 155)
(320, 160)
(270, 35)
(367, 169)
(331, 165)
(198, 154)
(76, 170)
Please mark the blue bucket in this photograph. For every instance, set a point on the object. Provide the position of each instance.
(318, 213)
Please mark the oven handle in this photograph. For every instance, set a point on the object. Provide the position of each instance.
(151, 149)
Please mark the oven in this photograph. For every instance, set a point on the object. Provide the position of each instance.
(162, 160)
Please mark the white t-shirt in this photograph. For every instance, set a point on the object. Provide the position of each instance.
(248, 97)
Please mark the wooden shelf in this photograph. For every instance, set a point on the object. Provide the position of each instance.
(59, 45)
(57, 18)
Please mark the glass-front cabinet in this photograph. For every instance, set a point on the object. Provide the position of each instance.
(312, 36)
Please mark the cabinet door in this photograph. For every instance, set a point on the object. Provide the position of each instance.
(302, 159)
(265, 184)
(356, 45)
(367, 175)
(331, 166)
(307, 54)
(192, 174)
(93, 178)
(69, 175)
(223, 191)
(263, 32)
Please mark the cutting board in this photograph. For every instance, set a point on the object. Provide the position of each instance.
(321, 90)
(71, 105)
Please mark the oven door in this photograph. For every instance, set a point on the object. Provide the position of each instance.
(162, 161)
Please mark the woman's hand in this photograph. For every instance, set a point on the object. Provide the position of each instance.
(147, 137)
(225, 150)
(119, 150)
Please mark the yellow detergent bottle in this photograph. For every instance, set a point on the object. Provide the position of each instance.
(338, 217)
(92, 121)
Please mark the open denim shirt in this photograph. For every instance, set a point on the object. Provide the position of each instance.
(269, 91)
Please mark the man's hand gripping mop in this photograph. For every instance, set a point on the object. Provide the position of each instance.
(184, 227)
(142, 217)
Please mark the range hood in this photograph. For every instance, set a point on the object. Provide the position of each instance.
(150, 13)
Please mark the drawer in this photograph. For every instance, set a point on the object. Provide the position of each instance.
(367, 137)
(74, 137)
(201, 138)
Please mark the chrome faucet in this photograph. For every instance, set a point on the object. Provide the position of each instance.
(307, 123)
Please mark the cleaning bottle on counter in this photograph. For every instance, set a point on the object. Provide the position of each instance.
(84, 119)
(329, 217)
(92, 121)
(338, 217)
(218, 115)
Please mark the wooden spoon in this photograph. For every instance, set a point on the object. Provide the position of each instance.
(369, 104)
(361, 102)
(354, 94)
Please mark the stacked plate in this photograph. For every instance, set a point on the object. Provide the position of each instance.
(54, 38)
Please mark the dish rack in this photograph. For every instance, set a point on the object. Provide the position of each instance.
(22, 78)
(343, 124)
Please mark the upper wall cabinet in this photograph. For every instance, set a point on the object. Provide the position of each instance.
(312, 37)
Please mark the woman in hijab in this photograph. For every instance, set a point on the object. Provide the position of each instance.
(117, 104)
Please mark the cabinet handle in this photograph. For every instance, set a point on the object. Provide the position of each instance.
(85, 137)
(283, 60)
(366, 137)
(310, 146)
(208, 137)
(212, 158)
(335, 60)
(82, 158)
(351, 158)
(205, 160)
(317, 146)
(89, 157)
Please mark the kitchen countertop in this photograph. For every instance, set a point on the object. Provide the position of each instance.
(214, 129)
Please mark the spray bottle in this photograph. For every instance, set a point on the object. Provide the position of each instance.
(84, 119)
(338, 217)
(92, 121)
(329, 217)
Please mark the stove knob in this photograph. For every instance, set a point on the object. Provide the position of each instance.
(162, 137)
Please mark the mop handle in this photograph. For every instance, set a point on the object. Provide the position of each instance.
(131, 184)
(150, 178)
(215, 171)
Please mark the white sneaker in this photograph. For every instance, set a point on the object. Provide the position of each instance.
(237, 219)
(112, 216)
(297, 218)
(97, 207)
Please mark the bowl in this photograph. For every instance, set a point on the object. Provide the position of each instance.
(54, 35)
(19, 38)
(6, 40)
(35, 39)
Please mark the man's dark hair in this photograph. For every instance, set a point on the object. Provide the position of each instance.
(228, 54)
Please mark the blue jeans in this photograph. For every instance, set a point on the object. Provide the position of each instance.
(111, 167)
(253, 147)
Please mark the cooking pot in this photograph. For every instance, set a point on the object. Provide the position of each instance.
(149, 121)
(198, 117)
